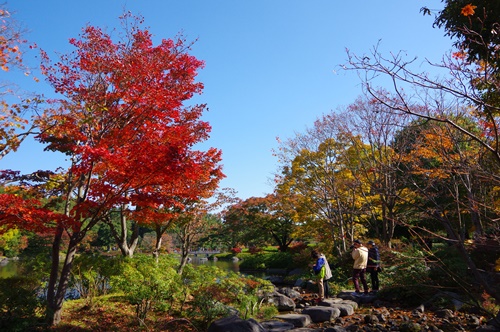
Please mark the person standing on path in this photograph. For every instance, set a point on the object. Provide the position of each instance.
(373, 265)
(328, 275)
(323, 272)
(360, 256)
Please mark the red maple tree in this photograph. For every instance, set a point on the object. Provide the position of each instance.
(123, 123)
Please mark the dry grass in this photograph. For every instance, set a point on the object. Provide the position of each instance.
(113, 313)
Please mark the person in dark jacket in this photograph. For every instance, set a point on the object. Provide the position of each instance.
(373, 265)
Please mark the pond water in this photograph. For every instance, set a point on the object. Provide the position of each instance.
(223, 265)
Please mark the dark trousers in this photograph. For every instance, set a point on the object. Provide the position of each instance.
(357, 275)
(374, 278)
(327, 288)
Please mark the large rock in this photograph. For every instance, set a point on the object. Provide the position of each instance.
(298, 320)
(277, 326)
(353, 304)
(291, 293)
(321, 314)
(236, 324)
(300, 283)
(335, 329)
(282, 302)
(345, 308)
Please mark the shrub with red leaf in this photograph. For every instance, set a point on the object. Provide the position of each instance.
(236, 250)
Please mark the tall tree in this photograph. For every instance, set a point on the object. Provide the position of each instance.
(442, 166)
(123, 124)
(470, 81)
(314, 171)
(262, 220)
(370, 127)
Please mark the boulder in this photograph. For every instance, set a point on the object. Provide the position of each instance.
(335, 329)
(444, 313)
(353, 304)
(291, 293)
(277, 326)
(298, 320)
(282, 302)
(345, 308)
(321, 314)
(235, 324)
(299, 283)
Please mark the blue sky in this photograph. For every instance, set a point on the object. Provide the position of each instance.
(272, 67)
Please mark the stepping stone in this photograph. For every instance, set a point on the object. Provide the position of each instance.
(322, 314)
(235, 324)
(277, 326)
(298, 320)
(345, 308)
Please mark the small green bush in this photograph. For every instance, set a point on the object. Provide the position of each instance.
(216, 293)
(254, 262)
(447, 261)
(224, 256)
(91, 275)
(279, 260)
(20, 305)
(148, 284)
(275, 260)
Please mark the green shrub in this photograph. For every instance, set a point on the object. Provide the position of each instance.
(407, 278)
(224, 256)
(254, 262)
(91, 275)
(20, 305)
(276, 260)
(12, 242)
(447, 261)
(271, 249)
(302, 259)
(216, 293)
(148, 284)
(279, 260)
(268, 311)
(244, 255)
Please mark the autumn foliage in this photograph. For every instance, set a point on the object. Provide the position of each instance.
(123, 123)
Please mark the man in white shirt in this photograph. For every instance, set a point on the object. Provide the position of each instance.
(360, 256)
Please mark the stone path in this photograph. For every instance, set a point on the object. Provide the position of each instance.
(306, 314)
(327, 310)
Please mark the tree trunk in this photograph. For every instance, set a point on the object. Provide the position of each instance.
(54, 273)
(58, 283)
(126, 249)
(156, 251)
(184, 256)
